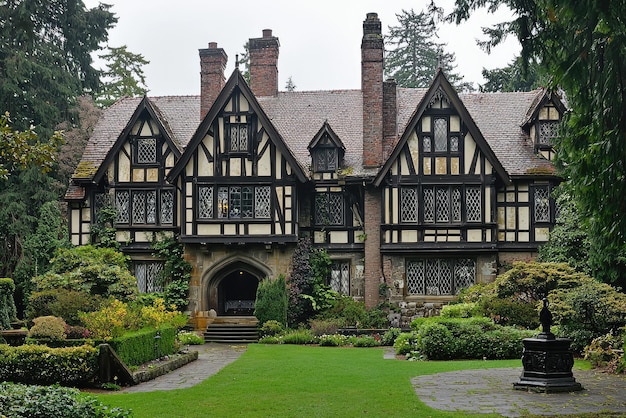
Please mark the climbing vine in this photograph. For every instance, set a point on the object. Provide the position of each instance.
(176, 271)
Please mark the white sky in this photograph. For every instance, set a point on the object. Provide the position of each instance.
(320, 41)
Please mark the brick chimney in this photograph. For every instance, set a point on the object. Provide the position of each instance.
(390, 112)
(372, 89)
(264, 64)
(212, 65)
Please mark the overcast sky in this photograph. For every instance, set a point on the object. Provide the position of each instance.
(320, 40)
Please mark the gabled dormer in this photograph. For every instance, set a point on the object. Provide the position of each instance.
(543, 123)
(327, 153)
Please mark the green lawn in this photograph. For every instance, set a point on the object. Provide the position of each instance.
(301, 381)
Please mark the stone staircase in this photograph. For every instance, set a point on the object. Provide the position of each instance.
(232, 330)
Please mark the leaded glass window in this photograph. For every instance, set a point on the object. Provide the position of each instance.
(326, 159)
(408, 204)
(100, 201)
(473, 204)
(235, 202)
(426, 144)
(439, 276)
(122, 206)
(147, 275)
(340, 277)
(441, 134)
(205, 202)
(456, 204)
(542, 204)
(548, 130)
(146, 150)
(262, 202)
(238, 137)
(429, 204)
(454, 144)
(329, 209)
(167, 206)
(442, 209)
(144, 207)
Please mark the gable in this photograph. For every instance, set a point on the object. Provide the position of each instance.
(234, 126)
(441, 138)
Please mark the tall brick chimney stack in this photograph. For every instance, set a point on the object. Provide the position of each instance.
(372, 89)
(264, 64)
(212, 65)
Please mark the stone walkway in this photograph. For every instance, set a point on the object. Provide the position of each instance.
(491, 391)
(211, 359)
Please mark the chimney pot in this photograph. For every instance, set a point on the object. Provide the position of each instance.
(267, 33)
(212, 45)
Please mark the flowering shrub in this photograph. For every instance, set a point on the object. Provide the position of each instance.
(406, 343)
(270, 339)
(51, 327)
(333, 340)
(111, 321)
(76, 332)
(189, 338)
(158, 315)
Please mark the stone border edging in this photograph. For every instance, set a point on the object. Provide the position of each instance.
(161, 369)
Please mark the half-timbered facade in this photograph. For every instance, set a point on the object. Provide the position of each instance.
(424, 191)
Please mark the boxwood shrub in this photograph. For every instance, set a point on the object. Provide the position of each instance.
(72, 366)
(23, 401)
(139, 347)
(440, 338)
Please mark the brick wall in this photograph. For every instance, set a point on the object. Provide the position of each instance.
(212, 65)
(372, 89)
(264, 64)
(372, 269)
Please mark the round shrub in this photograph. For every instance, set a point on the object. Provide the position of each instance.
(511, 312)
(406, 343)
(272, 328)
(333, 340)
(437, 342)
(76, 332)
(51, 327)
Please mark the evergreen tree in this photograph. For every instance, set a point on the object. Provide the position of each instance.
(513, 77)
(414, 56)
(45, 58)
(582, 45)
(244, 60)
(123, 76)
(290, 85)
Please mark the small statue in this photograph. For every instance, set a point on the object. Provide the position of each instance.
(545, 317)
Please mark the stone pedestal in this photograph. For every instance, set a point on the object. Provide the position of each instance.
(548, 363)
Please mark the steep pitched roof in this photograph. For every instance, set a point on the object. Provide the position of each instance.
(297, 117)
(441, 85)
(236, 81)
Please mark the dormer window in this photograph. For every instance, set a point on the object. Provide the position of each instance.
(325, 159)
(146, 150)
(548, 130)
(145, 142)
(326, 150)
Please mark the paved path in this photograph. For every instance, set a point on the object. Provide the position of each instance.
(491, 391)
(211, 359)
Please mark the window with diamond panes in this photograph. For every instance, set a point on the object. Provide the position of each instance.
(473, 204)
(442, 204)
(548, 130)
(205, 202)
(408, 204)
(147, 275)
(235, 202)
(122, 206)
(442, 208)
(146, 150)
(436, 276)
(167, 206)
(144, 207)
(441, 134)
(238, 135)
(340, 277)
(542, 204)
(100, 201)
(329, 209)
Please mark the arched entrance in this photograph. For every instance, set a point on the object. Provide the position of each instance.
(236, 293)
(231, 286)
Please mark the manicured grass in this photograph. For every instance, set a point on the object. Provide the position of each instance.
(301, 381)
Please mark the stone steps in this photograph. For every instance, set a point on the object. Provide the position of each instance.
(232, 330)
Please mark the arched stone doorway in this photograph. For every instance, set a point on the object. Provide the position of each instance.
(232, 290)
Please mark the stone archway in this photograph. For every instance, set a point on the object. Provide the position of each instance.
(231, 291)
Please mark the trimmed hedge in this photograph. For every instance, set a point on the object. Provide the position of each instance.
(22, 401)
(139, 347)
(72, 366)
